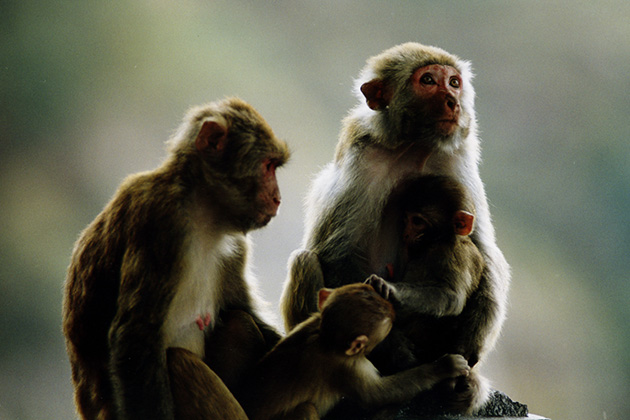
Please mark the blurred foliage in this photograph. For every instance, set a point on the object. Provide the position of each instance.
(89, 91)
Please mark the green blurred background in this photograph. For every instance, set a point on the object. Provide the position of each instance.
(90, 90)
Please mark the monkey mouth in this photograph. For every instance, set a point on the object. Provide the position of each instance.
(447, 126)
(264, 217)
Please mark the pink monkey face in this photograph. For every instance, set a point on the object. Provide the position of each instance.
(439, 88)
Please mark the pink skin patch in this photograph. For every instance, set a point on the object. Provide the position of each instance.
(202, 323)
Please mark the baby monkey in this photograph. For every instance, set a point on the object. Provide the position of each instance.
(434, 284)
(438, 263)
(324, 359)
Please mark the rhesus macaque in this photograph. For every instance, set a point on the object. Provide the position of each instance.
(324, 359)
(416, 117)
(440, 268)
(164, 263)
(439, 265)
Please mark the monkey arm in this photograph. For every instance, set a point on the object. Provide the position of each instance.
(236, 291)
(479, 323)
(299, 298)
(432, 295)
(486, 310)
(439, 282)
(138, 359)
(372, 390)
(492, 296)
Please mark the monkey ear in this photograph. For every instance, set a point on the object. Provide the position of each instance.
(376, 93)
(463, 222)
(357, 345)
(323, 295)
(212, 137)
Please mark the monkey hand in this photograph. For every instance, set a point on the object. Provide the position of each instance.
(382, 287)
(451, 366)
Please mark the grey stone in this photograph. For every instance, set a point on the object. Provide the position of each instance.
(427, 407)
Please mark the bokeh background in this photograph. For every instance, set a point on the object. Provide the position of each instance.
(90, 90)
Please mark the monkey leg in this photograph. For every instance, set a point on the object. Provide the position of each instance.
(234, 347)
(462, 395)
(470, 393)
(304, 411)
(198, 393)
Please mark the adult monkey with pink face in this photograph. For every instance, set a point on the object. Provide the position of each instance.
(416, 117)
(157, 284)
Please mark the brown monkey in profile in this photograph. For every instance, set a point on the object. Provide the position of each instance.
(440, 268)
(324, 359)
(164, 263)
(416, 117)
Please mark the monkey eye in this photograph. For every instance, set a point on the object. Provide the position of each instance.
(454, 82)
(427, 79)
(269, 164)
(420, 222)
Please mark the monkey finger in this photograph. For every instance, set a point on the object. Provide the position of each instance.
(453, 365)
(380, 286)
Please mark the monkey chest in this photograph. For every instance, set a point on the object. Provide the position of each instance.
(194, 306)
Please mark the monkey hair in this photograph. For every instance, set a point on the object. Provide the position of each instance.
(351, 311)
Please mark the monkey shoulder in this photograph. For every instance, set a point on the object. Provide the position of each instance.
(123, 230)
(303, 335)
(326, 187)
(155, 196)
(137, 236)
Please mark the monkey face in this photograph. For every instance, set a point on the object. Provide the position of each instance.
(437, 89)
(415, 226)
(254, 198)
(424, 224)
(268, 197)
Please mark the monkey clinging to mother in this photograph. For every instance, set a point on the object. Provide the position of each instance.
(415, 117)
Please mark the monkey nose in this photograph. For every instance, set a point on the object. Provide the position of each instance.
(451, 103)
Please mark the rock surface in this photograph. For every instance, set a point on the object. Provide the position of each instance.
(426, 407)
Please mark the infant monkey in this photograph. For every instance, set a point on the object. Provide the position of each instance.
(324, 359)
(435, 284)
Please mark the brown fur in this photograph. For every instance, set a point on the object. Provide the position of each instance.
(170, 243)
(198, 393)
